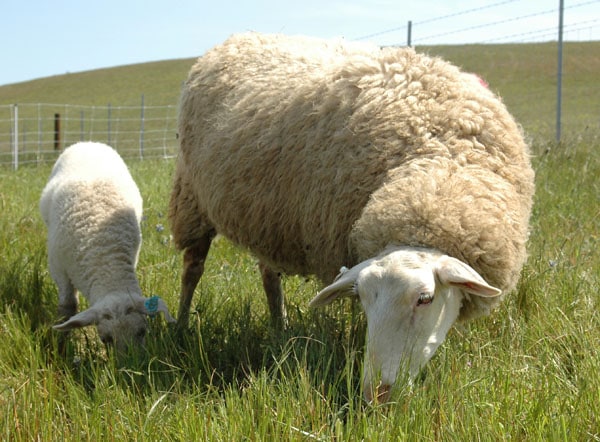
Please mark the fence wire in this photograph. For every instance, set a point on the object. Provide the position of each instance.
(36, 133)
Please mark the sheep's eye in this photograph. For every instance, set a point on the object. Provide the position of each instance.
(141, 333)
(425, 298)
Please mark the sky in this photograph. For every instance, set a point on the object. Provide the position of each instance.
(43, 38)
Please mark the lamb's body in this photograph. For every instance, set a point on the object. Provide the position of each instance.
(93, 208)
(316, 155)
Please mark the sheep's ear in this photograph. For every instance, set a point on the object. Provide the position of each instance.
(343, 285)
(455, 273)
(153, 305)
(82, 319)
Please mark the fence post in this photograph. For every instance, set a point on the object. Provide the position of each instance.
(559, 72)
(142, 130)
(39, 140)
(81, 126)
(56, 131)
(108, 125)
(16, 137)
(409, 35)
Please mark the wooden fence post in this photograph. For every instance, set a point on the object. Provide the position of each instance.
(56, 131)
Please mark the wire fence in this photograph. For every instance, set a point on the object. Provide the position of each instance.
(36, 133)
(480, 25)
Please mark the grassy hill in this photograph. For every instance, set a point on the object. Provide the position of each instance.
(159, 81)
(523, 74)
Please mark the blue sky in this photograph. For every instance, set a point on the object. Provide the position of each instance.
(42, 38)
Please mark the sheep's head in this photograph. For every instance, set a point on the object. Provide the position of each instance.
(411, 297)
(120, 321)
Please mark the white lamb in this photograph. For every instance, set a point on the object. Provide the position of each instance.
(92, 209)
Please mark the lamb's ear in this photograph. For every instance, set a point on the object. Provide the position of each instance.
(456, 273)
(343, 285)
(83, 319)
(153, 305)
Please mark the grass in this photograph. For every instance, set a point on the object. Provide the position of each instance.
(530, 371)
(159, 81)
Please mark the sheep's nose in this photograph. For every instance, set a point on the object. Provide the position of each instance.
(379, 394)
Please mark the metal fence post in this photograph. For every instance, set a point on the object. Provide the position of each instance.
(39, 140)
(142, 130)
(16, 137)
(108, 125)
(559, 73)
(81, 125)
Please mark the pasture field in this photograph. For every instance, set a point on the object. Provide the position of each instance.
(530, 371)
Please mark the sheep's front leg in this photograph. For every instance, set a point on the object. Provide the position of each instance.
(193, 267)
(67, 295)
(272, 285)
(67, 304)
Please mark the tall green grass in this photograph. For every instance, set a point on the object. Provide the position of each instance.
(530, 371)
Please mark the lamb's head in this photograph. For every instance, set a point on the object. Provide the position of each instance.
(120, 320)
(411, 297)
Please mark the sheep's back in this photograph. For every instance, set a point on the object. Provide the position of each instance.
(285, 142)
(266, 150)
(92, 208)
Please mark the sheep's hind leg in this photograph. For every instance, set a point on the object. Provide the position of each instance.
(272, 285)
(193, 267)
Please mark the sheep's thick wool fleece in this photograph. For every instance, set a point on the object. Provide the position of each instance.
(316, 154)
(93, 208)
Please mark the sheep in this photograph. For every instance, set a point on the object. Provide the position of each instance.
(92, 209)
(399, 169)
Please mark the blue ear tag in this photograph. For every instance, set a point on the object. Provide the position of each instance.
(151, 305)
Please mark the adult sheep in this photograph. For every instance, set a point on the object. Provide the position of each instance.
(320, 154)
(92, 209)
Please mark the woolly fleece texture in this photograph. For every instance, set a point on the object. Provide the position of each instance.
(318, 154)
(92, 208)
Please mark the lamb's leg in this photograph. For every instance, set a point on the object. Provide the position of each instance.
(67, 295)
(193, 267)
(272, 284)
(67, 305)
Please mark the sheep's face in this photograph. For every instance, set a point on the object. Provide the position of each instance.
(120, 320)
(411, 298)
(122, 327)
